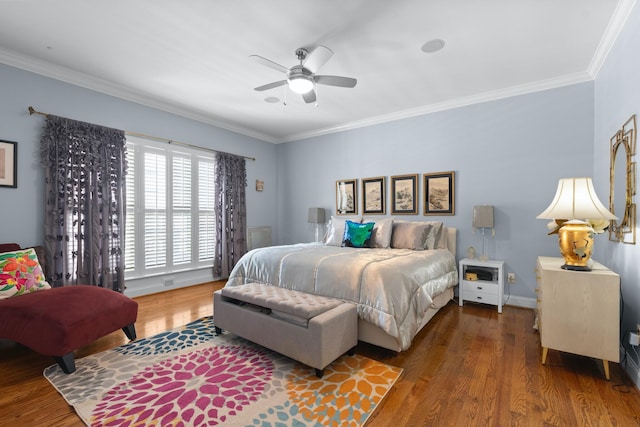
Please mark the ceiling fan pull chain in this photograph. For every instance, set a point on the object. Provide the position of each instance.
(284, 102)
(315, 87)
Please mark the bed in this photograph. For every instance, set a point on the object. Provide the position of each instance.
(398, 283)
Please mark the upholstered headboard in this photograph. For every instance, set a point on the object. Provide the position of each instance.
(452, 233)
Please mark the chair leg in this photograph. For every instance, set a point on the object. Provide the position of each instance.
(67, 363)
(130, 331)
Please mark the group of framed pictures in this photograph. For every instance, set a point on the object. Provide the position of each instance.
(438, 191)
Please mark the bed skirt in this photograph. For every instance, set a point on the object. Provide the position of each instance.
(372, 334)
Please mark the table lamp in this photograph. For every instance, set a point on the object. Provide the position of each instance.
(483, 218)
(316, 216)
(577, 203)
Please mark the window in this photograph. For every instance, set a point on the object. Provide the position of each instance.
(170, 208)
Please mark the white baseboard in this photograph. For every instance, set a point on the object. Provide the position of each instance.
(518, 301)
(631, 367)
(161, 283)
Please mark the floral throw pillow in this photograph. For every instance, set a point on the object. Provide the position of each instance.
(20, 273)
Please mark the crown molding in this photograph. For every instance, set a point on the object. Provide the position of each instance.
(57, 72)
(451, 104)
(616, 24)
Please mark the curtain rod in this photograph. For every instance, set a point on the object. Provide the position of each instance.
(168, 141)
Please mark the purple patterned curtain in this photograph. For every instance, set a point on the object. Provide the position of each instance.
(85, 168)
(230, 212)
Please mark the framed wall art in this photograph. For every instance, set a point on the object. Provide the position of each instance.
(373, 195)
(8, 164)
(439, 193)
(404, 194)
(346, 197)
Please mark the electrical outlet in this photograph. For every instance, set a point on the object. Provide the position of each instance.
(634, 339)
(511, 278)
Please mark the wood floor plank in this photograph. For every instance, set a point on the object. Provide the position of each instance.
(470, 366)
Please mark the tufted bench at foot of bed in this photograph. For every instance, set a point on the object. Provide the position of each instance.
(311, 329)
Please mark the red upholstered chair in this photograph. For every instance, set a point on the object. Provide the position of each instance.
(57, 321)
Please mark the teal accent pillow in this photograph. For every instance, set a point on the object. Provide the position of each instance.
(357, 235)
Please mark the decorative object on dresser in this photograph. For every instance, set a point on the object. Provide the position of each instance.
(579, 313)
(481, 281)
(346, 197)
(439, 193)
(482, 219)
(404, 194)
(575, 205)
(622, 182)
(316, 216)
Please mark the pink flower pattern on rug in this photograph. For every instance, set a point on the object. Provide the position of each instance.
(203, 387)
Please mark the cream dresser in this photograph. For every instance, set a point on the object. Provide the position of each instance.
(579, 311)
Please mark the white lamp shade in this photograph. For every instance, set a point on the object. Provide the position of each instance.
(483, 216)
(576, 199)
(300, 84)
(316, 216)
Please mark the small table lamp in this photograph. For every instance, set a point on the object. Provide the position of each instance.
(483, 218)
(316, 216)
(576, 202)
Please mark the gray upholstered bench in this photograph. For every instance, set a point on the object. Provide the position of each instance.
(311, 329)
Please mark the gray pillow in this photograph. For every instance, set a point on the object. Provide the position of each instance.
(381, 234)
(435, 233)
(410, 235)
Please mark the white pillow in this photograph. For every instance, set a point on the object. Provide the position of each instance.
(381, 234)
(444, 239)
(410, 234)
(335, 229)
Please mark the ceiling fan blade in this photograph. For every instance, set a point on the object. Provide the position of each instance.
(270, 85)
(317, 58)
(336, 81)
(310, 96)
(269, 63)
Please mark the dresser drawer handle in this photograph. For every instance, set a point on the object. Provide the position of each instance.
(479, 288)
(479, 297)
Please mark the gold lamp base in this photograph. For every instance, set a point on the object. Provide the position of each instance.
(576, 244)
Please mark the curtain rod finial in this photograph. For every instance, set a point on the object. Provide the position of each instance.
(31, 110)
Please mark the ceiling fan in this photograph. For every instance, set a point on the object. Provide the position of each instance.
(302, 78)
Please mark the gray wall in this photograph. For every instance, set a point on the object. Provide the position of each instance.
(617, 97)
(22, 216)
(508, 153)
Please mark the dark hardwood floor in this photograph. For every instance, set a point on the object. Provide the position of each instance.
(469, 366)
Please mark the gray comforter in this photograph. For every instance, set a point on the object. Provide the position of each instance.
(393, 288)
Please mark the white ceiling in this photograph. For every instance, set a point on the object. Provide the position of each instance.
(191, 57)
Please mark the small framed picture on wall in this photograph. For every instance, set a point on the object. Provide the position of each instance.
(346, 197)
(439, 193)
(8, 164)
(404, 194)
(373, 195)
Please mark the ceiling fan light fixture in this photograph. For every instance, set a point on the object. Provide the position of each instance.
(300, 84)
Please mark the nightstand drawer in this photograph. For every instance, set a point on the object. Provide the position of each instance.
(483, 297)
(480, 286)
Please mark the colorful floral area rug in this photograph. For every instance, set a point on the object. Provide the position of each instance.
(191, 377)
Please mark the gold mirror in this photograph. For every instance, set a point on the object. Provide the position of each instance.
(623, 183)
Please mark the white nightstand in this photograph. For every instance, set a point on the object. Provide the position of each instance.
(488, 291)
